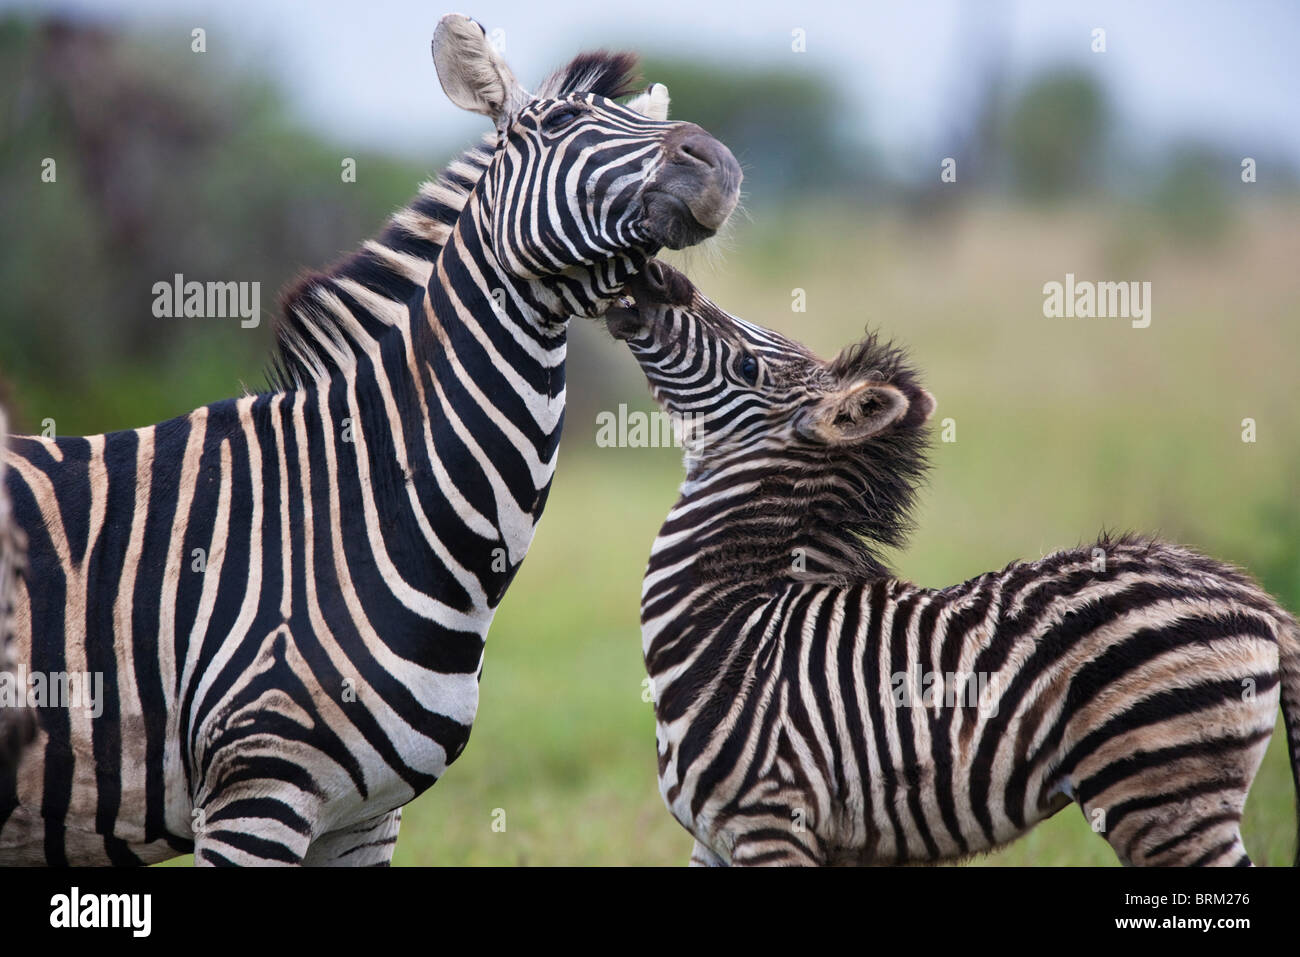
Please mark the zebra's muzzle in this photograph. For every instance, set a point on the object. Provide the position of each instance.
(655, 286)
(623, 319)
(695, 191)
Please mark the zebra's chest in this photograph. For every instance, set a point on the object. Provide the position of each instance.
(760, 763)
(377, 721)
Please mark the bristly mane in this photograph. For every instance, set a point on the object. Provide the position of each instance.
(844, 502)
(838, 505)
(315, 335)
(311, 338)
(607, 74)
(882, 474)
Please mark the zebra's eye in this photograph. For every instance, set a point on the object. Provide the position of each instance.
(560, 117)
(749, 369)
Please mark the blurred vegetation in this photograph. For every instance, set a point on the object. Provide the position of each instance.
(162, 167)
(783, 125)
(1064, 427)
(1189, 198)
(1055, 134)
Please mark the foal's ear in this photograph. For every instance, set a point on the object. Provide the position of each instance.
(653, 103)
(923, 406)
(472, 73)
(855, 412)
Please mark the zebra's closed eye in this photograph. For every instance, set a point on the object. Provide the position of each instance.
(560, 117)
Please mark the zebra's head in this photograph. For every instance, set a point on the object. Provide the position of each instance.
(843, 438)
(580, 187)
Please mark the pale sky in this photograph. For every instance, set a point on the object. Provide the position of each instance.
(360, 70)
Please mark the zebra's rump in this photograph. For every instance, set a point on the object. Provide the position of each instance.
(1137, 679)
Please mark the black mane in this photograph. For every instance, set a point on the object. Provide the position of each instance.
(837, 504)
(308, 335)
(608, 74)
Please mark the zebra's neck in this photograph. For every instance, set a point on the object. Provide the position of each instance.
(471, 372)
(495, 345)
(432, 353)
(738, 531)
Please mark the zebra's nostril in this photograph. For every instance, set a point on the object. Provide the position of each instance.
(654, 275)
(700, 149)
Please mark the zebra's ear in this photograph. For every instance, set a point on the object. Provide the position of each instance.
(854, 413)
(925, 405)
(472, 73)
(652, 103)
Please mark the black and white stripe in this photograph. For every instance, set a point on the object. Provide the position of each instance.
(287, 594)
(814, 709)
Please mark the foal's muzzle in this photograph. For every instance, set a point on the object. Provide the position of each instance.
(648, 295)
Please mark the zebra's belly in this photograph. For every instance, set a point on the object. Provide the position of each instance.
(107, 788)
(24, 844)
(911, 825)
(903, 813)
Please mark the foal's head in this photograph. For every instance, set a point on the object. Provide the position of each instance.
(826, 450)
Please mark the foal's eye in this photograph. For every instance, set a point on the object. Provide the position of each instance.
(560, 117)
(749, 369)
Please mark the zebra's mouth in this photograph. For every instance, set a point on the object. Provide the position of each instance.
(623, 319)
(669, 222)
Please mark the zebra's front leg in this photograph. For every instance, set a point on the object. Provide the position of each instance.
(250, 829)
(775, 843)
(701, 856)
(368, 843)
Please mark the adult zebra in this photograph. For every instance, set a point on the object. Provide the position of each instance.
(288, 593)
(812, 708)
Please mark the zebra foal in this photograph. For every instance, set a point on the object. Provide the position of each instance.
(280, 699)
(813, 709)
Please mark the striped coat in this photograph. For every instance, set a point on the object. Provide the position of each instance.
(814, 709)
(280, 602)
